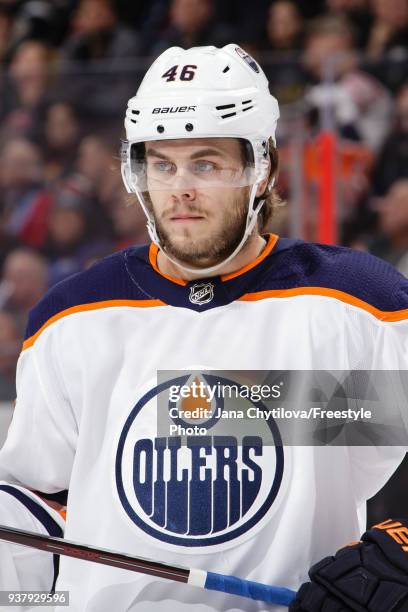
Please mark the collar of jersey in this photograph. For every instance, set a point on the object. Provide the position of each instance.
(271, 242)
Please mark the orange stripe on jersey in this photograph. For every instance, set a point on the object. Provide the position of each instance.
(382, 315)
(272, 240)
(93, 306)
(154, 249)
(62, 510)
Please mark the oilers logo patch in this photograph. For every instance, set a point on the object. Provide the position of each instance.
(248, 59)
(216, 488)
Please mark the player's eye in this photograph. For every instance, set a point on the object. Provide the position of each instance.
(163, 167)
(204, 167)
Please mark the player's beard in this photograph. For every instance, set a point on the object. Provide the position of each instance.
(206, 252)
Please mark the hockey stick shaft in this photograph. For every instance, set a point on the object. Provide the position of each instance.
(200, 578)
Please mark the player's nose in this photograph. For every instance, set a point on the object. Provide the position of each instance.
(183, 187)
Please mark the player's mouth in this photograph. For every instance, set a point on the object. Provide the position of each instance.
(186, 218)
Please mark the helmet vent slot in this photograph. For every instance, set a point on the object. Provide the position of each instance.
(226, 69)
(247, 108)
(246, 101)
(228, 115)
(135, 112)
(224, 106)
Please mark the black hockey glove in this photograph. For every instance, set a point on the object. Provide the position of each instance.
(369, 575)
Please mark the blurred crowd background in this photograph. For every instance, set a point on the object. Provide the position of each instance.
(68, 68)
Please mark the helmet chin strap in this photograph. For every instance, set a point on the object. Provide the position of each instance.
(252, 217)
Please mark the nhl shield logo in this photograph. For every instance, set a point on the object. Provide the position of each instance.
(201, 293)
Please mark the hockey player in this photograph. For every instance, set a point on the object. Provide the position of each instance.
(210, 292)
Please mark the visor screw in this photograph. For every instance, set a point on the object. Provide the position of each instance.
(189, 127)
(160, 129)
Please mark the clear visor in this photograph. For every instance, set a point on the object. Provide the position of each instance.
(188, 164)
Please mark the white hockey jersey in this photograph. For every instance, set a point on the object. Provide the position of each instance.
(86, 418)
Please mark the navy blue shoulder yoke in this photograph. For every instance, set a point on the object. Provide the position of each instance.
(290, 264)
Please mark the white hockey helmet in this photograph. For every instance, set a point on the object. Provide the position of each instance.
(202, 92)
